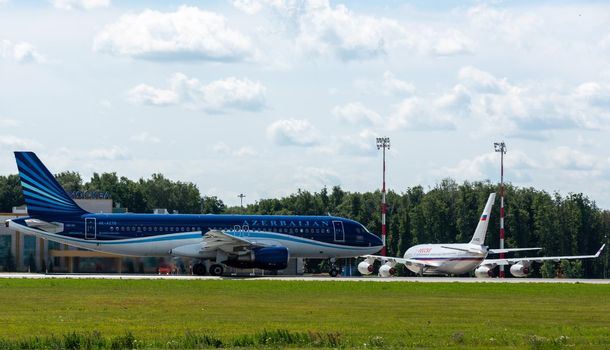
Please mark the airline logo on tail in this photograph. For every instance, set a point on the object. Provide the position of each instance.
(43, 195)
(484, 217)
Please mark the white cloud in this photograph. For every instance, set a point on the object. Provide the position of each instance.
(112, 153)
(186, 34)
(80, 4)
(571, 159)
(320, 29)
(530, 109)
(515, 28)
(604, 44)
(293, 132)
(313, 178)
(481, 81)
(361, 144)
(9, 123)
(395, 86)
(451, 42)
(487, 166)
(250, 7)
(14, 143)
(496, 105)
(21, 52)
(217, 96)
(147, 94)
(417, 113)
(145, 137)
(222, 148)
(244, 151)
(357, 113)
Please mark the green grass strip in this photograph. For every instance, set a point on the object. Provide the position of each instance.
(52, 314)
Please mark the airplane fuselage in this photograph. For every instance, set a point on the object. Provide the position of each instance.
(159, 234)
(455, 261)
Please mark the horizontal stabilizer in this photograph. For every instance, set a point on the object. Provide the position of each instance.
(51, 227)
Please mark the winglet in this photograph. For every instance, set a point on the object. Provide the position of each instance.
(600, 250)
(479, 233)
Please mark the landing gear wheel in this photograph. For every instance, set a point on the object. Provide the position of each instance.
(334, 272)
(199, 269)
(216, 270)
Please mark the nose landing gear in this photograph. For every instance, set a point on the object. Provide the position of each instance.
(334, 269)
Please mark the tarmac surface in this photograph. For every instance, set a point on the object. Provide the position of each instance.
(304, 278)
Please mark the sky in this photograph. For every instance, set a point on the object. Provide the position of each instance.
(265, 97)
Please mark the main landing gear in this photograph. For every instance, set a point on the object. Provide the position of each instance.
(199, 269)
(216, 270)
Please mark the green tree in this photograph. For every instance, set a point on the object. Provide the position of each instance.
(71, 181)
(10, 193)
(212, 205)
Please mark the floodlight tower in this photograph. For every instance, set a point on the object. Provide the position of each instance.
(383, 143)
(241, 200)
(501, 147)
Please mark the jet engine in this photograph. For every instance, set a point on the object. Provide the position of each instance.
(519, 270)
(365, 268)
(387, 270)
(484, 271)
(266, 258)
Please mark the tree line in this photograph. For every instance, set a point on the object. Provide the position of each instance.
(446, 212)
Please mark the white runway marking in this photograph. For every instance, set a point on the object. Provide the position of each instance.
(306, 278)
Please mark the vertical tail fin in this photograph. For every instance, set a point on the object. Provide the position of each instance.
(43, 195)
(481, 230)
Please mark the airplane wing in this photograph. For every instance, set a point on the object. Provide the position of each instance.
(509, 250)
(512, 261)
(403, 261)
(228, 241)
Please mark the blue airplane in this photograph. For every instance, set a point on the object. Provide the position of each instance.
(215, 241)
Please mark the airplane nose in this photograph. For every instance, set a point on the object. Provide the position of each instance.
(376, 241)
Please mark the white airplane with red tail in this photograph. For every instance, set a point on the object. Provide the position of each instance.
(459, 258)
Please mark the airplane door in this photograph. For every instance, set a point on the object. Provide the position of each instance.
(339, 232)
(90, 228)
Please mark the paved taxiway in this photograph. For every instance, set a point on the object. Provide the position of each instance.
(308, 278)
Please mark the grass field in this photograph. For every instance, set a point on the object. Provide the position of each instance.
(234, 313)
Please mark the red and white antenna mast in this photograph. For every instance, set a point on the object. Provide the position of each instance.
(383, 143)
(501, 147)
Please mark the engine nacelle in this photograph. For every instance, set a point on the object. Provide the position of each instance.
(519, 270)
(267, 258)
(387, 270)
(484, 271)
(365, 268)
